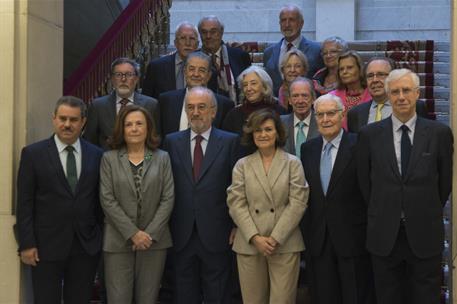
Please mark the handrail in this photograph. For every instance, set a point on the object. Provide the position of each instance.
(89, 79)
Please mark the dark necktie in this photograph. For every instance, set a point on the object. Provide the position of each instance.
(216, 64)
(198, 157)
(405, 149)
(123, 103)
(180, 76)
(72, 177)
(289, 46)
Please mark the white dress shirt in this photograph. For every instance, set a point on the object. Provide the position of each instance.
(204, 142)
(64, 153)
(336, 145)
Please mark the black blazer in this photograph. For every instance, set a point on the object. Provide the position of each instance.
(171, 103)
(49, 214)
(160, 76)
(422, 193)
(202, 203)
(342, 212)
(102, 116)
(358, 115)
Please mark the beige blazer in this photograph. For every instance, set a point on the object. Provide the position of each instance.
(120, 205)
(268, 204)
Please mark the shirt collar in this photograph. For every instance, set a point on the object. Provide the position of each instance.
(295, 42)
(61, 145)
(178, 59)
(130, 98)
(205, 134)
(411, 124)
(374, 104)
(335, 142)
(307, 120)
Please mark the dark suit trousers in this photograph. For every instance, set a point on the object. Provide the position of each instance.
(77, 273)
(340, 280)
(200, 275)
(423, 276)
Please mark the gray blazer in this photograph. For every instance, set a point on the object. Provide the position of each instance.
(288, 122)
(102, 115)
(119, 201)
(269, 205)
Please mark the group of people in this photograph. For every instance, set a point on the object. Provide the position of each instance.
(316, 153)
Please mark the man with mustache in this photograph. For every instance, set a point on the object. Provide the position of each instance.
(291, 23)
(376, 71)
(102, 114)
(202, 159)
(167, 73)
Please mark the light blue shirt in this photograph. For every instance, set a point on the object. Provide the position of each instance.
(64, 153)
(386, 111)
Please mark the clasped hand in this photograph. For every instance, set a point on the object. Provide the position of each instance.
(266, 245)
(141, 241)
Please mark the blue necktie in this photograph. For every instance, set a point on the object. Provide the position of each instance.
(326, 166)
(300, 138)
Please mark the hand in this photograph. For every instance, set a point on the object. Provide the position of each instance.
(264, 244)
(30, 256)
(232, 235)
(141, 241)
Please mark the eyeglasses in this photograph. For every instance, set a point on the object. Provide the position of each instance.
(405, 91)
(330, 52)
(119, 75)
(379, 75)
(330, 114)
(201, 107)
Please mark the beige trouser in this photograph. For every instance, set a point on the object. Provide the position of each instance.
(272, 279)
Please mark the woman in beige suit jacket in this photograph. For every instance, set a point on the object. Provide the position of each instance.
(266, 200)
(137, 196)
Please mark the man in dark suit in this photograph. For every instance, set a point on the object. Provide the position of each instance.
(103, 111)
(291, 23)
(197, 71)
(228, 62)
(167, 73)
(335, 226)
(300, 125)
(376, 71)
(58, 211)
(405, 173)
(202, 159)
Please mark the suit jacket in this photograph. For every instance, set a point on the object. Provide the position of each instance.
(160, 76)
(119, 200)
(268, 204)
(202, 203)
(102, 116)
(421, 194)
(271, 62)
(239, 60)
(171, 103)
(342, 212)
(288, 121)
(358, 115)
(49, 214)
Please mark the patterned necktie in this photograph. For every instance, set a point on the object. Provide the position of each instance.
(326, 166)
(289, 46)
(72, 177)
(378, 116)
(299, 139)
(405, 149)
(123, 102)
(198, 157)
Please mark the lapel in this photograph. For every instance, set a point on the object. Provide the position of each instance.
(419, 141)
(111, 109)
(57, 164)
(171, 71)
(276, 53)
(343, 157)
(148, 160)
(364, 113)
(291, 133)
(386, 143)
(176, 103)
(315, 158)
(183, 149)
(125, 165)
(212, 150)
(137, 100)
(313, 130)
(255, 162)
(303, 46)
(277, 166)
(85, 165)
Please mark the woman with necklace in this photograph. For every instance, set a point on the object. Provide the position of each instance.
(137, 196)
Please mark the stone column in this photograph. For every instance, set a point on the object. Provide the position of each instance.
(335, 18)
(31, 57)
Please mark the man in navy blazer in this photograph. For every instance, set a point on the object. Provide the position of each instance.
(102, 113)
(335, 222)
(197, 72)
(376, 71)
(58, 211)
(202, 159)
(405, 172)
(291, 23)
(228, 62)
(166, 73)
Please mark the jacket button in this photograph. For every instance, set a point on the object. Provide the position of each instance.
(272, 210)
(256, 210)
